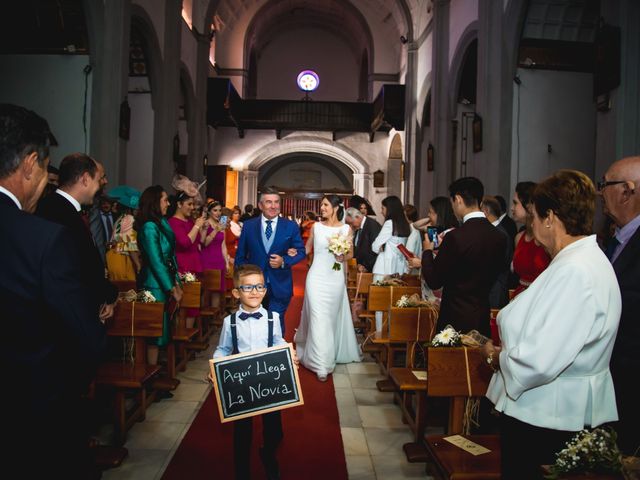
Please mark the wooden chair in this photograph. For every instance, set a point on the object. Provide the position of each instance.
(211, 283)
(138, 321)
(457, 373)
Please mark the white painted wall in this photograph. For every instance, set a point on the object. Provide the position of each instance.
(52, 86)
(461, 14)
(140, 145)
(557, 109)
(310, 48)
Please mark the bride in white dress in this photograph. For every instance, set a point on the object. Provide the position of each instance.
(326, 335)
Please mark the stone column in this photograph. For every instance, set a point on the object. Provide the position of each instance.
(494, 101)
(198, 142)
(441, 114)
(411, 146)
(363, 184)
(111, 22)
(248, 187)
(166, 114)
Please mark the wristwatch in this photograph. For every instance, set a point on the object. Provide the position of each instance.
(490, 362)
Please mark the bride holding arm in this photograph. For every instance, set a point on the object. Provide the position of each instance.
(325, 335)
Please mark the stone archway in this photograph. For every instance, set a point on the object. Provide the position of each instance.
(248, 181)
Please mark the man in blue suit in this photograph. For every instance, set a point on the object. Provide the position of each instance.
(264, 241)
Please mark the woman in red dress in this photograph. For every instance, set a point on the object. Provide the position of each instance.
(305, 227)
(232, 233)
(529, 257)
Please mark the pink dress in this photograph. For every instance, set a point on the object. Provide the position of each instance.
(211, 255)
(187, 252)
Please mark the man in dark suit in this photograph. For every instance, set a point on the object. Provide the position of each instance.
(620, 192)
(365, 230)
(467, 263)
(264, 241)
(79, 179)
(504, 220)
(51, 337)
(499, 294)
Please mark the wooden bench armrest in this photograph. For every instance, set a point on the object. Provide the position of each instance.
(405, 380)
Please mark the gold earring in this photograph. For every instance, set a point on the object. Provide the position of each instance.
(548, 225)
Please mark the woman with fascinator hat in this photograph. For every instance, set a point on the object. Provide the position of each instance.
(123, 255)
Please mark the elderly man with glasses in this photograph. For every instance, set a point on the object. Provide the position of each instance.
(621, 202)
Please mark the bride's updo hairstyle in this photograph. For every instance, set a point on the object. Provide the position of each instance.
(336, 202)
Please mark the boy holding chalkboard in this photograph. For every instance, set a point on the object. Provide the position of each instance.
(252, 327)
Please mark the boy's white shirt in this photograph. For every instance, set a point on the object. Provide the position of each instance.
(253, 333)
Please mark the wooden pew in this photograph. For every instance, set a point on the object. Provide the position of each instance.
(383, 299)
(185, 338)
(457, 373)
(138, 321)
(211, 283)
(451, 462)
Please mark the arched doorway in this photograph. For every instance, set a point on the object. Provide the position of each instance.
(395, 167)
(303, 178)
(464, 112)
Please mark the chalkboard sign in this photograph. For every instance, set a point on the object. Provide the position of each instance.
(254, 383)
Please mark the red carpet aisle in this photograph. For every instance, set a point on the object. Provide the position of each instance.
(312, 446)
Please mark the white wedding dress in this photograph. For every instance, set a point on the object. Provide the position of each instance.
(326, 335)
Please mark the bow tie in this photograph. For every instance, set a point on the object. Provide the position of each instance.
(245, 315)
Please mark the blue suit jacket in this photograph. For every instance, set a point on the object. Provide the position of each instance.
(251, 250)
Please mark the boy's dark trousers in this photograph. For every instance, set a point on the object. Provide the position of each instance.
(242, 434)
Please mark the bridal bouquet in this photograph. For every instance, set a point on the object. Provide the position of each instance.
(143, 296)
(339, 245)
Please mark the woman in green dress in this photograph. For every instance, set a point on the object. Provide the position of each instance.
(156, 242)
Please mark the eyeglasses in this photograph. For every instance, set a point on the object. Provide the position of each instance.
(258, 287)
(605, 183)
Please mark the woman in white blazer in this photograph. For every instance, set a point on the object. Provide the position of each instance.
(395, 231)
(552, 374)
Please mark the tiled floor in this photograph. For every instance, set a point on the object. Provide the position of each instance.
(371, 425)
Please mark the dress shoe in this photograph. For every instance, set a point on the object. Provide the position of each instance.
(322, 377)
(270, 465)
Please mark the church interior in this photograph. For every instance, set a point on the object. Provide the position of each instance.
(374, 98)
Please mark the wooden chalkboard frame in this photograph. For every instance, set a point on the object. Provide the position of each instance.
(216, 363)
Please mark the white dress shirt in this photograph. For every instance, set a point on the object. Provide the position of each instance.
(11, 196)
(73, 201)
(253, 333)
(557, 339)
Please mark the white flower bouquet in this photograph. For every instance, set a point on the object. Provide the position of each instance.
(593, 452)
(448, 337)
(339, 245)
(187, 277)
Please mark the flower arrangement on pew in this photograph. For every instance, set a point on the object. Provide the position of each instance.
(392, 280)
(143, 296)
(187, 277)
(339, 245)
(594, 452)
(448, 337)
